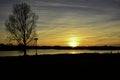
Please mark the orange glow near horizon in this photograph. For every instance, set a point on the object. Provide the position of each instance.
(73, 42)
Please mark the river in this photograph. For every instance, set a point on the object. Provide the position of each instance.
(53, 51)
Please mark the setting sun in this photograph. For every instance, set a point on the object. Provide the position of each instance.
(73, 41)
(73, 44)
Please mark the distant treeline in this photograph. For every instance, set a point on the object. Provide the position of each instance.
(10, 47)
(81, 47)
(4, 47)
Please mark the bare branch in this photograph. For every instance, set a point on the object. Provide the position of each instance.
(21, 23)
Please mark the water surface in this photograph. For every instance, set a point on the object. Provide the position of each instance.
(53, 51)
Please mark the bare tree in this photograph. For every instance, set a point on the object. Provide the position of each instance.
(21, 24)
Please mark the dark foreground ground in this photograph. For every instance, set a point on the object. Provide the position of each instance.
(64, 59)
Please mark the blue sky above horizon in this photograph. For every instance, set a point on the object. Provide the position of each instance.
(91, 22)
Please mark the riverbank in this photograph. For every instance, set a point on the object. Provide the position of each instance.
(85, 58)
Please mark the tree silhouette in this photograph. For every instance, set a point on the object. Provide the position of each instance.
(21, 24)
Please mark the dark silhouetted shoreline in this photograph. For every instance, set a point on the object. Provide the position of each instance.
(20, 47)
(86, 58)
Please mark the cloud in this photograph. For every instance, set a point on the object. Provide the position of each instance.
(92, 20)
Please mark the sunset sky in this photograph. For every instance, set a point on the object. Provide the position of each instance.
(70, 22)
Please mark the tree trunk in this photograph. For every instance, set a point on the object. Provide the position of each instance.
(24, 40)
(25, 52)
